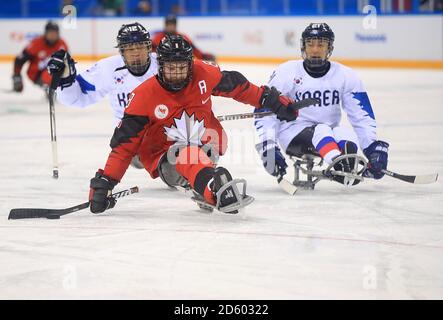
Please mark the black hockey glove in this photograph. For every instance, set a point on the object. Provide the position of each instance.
(100, 193)
(62, 64)
(281, 105)
(17, 83)
(273, 160)
(377, 154)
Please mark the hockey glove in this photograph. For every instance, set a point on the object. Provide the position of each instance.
(377, 154)
(62, 63)
(100, 193)
(17, 83)
(280, 105)
(273, 160)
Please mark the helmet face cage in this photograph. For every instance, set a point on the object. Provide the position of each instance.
(137, 66)
(175, 74)
(52, 33)
(175, 62)
(134, 37)
(321, 32)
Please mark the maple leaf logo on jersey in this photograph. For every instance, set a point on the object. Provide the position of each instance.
(187, 130)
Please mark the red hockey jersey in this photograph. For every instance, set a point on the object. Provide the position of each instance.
(38, 53)
(156, 118)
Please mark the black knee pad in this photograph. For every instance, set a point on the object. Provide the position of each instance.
(301, 144)
(168, 173)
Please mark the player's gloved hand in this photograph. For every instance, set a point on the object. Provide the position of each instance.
(100, 193)
(377, 154)
(17, 83)
(280, 105)
(273, 160)
(63, 65)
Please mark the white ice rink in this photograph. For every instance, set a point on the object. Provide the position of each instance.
(379, 240)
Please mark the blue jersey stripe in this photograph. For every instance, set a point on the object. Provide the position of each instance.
(84, 85)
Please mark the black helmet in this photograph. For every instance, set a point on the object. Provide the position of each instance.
(50, 40)
(130, 34)
(51, 25)
(170, 19)
(317, 31)
(174, 48)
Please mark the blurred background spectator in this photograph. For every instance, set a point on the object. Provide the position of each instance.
(111, 8)
(51, 8)
(144, 8)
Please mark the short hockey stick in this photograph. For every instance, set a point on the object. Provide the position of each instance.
(420, 179)
(51, 91)
(297, 106)
(28, 213)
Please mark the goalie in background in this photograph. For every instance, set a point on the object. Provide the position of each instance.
(317, 130)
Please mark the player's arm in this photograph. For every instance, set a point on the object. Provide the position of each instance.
(124, 143)
(19, 61)
(267, 129)
(77, 90)
(233, 84)
(358, 107)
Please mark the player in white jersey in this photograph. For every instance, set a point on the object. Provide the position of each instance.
(317, 129)
(116, 76)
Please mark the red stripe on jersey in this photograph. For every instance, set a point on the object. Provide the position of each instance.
(328, 148)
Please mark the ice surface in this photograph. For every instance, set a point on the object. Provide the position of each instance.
(381, 239)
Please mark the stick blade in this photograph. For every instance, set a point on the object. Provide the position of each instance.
(27, 213)
(309, 102)
(288, 187)
(426, 179)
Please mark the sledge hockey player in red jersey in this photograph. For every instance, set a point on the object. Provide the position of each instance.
(171, 29)
(38, 52)
(169, 122)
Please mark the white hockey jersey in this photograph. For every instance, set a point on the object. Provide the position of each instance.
(108, 77)
(339, 89)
